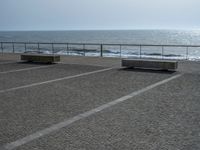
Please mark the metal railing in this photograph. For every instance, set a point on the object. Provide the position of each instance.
(104, 50)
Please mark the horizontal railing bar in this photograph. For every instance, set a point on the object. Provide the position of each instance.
(105, 44)
(51, 43)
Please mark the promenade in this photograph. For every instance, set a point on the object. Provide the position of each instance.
(91, 103)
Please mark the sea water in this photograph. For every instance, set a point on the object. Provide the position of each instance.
(149, 37)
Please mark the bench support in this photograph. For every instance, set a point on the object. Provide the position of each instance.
(150, 64)
(44, 58)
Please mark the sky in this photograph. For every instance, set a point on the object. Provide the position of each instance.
(99, 14)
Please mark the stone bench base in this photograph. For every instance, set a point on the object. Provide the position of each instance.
(44, 58)
(150, 64)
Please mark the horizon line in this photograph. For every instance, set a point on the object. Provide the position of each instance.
(100, 29)
(13, 30)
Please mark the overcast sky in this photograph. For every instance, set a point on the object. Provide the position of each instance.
(99, 14)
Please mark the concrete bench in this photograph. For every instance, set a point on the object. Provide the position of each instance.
(150, 64)
(44, 58)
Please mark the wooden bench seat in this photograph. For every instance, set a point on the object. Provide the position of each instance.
(151, 64)
(44, 58)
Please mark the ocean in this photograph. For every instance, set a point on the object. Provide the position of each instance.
(149, 37)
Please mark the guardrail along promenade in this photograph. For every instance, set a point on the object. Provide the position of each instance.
(105, 49)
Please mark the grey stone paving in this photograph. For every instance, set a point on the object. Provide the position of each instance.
(43, 74)
(3, 61)
(38, 107)
(153, 120)
(166, 117)
(16, 66)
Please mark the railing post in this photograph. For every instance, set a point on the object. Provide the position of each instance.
(38, 46)
(67, 49)
(13, 47)
(84, 49)
(25, 47)
(52, 48)
(187, 50)
(162, 51)
(140, 51)
(101, 50)
(1, 47)
(120, 48)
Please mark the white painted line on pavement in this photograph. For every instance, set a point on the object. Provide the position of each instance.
(55, 80)
(67, 122)
(93, 65)
(7, 62)
(24, 69)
